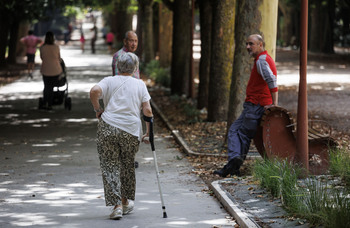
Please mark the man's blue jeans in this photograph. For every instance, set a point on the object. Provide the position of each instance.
(243, 130)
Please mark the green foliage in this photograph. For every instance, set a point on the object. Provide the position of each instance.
(192, 113)
(158, 74)
(340, 164)
(337, 210)
(279, 176)
(73, 11)
(312, 199)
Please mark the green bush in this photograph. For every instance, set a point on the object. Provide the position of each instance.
(158, 74)
(340, 164)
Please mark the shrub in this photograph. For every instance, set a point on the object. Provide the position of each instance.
(158, 74)
(340, 164)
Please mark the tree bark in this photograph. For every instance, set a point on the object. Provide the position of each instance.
(317, 26)
(180, 63)
(147, 30)
(139, 29)
(251, 13)
(122, 20)
(328, 41)
(165, 35)
(221, 62)
(11, 59)
(4, 31)
(205, 14)
(287, 26)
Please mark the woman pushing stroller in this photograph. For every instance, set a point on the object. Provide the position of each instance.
(50, 68)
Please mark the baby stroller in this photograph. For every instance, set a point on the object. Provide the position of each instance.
(60, 93)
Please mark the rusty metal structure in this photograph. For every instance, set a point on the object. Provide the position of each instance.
(277, 138)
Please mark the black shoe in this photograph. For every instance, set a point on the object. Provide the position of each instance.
(232, 168)
(136, 164)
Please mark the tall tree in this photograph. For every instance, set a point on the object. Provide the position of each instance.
(122, 19)
(288, 8)
(221, 63)
(255, 16)
(321, 31)
(165, 35)
(205, 16)
(180, 63)
(147, 29)
(13, 12)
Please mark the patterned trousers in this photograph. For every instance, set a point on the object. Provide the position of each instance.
(116, 150)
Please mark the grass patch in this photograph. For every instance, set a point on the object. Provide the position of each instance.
(321, 200)
(340, 164)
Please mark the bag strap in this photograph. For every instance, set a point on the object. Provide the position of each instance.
(115, 91)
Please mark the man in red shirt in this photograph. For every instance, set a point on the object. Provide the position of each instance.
(261, 94)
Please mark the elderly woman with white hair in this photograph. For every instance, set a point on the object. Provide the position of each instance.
(120, 131)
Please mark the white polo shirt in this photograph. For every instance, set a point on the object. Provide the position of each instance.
(122, 98)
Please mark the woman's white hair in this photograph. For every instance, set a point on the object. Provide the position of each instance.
(127, 63)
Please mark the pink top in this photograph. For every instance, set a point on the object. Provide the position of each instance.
(31, 42)
(110, 37)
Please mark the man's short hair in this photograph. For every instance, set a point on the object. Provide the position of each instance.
(127, 33)
(260, 38)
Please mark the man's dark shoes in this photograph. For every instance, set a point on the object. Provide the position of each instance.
(232, 168)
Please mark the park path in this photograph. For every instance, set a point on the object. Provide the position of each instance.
(49, 169)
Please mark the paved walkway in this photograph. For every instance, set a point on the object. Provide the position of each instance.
(49, 169)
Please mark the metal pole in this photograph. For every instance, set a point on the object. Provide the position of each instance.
(302, 155)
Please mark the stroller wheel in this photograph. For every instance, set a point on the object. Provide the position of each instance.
(68, 103)
(41, 103)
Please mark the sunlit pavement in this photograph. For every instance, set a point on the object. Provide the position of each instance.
(49, 169)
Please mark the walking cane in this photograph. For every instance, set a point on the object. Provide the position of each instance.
(151, 139)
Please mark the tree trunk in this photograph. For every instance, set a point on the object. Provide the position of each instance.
(317, 26)
(205, 13)
(221, 62)
(139, 29)
(4, 31)
(251, 14)
(180, 63)
(147, 30)
(165, 35)
(122, 20)
(287, 25)
(329, 15)
(13, 42)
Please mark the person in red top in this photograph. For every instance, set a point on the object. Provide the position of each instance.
(261, 94)
(31, 42)
(109, 41)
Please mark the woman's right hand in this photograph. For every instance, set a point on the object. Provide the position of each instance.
(145, 138)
